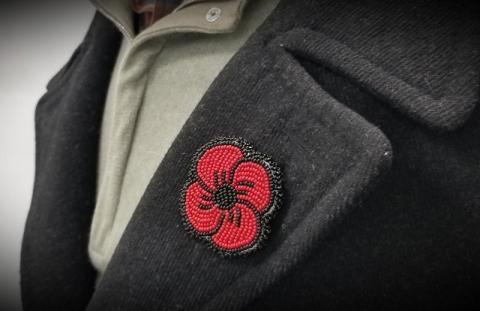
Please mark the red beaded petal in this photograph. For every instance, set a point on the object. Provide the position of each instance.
(230, 196)
(215, 165)
(201, 213)
(239, 229)
(252, 184)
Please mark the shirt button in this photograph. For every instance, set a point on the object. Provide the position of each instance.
(213, 14)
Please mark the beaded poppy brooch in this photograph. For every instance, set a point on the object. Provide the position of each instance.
(230, 196)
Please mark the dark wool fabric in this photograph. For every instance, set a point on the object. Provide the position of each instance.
(55, 269)
(370, 109)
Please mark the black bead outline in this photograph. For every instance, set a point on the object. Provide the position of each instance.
(263, 218)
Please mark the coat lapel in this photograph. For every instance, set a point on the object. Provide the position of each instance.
(329, 155)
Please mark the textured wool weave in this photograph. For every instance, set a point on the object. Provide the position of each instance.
(368, 107)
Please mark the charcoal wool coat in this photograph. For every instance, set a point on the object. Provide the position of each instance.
(369, 109)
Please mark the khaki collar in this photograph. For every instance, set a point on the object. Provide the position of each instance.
(206, 16)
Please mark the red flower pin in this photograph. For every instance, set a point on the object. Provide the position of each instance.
(230, 196)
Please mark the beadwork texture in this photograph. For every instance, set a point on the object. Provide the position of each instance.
(230, 196)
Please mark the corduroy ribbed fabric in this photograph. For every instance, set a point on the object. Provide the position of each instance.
(369, 109)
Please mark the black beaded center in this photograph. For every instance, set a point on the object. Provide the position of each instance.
(225, 196)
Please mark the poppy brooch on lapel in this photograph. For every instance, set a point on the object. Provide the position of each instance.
(230, 196)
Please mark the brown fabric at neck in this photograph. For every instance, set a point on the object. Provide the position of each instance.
(147, 12)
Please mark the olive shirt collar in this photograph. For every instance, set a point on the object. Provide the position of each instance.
(189, 15)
